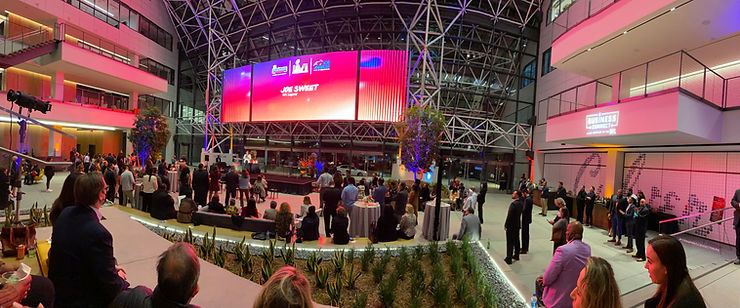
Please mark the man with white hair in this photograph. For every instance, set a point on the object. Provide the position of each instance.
(471, 200)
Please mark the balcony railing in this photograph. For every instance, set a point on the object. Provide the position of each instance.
(22, 37)
(576, 13)
(102, 99)
(678, 70)
(98, 45)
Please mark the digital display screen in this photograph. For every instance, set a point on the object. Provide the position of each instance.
(346, 85)
(236, 95)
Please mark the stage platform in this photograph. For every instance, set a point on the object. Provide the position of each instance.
(137, 249)
(289, 184)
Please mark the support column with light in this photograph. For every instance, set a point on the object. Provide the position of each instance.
(57, 86)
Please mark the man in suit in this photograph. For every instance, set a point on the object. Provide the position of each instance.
(379, 193)
(232, 184)
(81, 262)
(526, 220)
(471, 199)
(200, 185)
(402, 198)
(561, 276)
(482, 199)
(619, 204)
(332, 197)
(629, 223)
(470, 227)
(512, 226)
(640, 229)
(736, 204)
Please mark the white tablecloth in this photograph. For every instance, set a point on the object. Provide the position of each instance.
(363, 214)
(137, 196)
(174, 184)
(444, 222)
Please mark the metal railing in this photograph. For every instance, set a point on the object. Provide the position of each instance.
(678, 70)
(97, 45)
(709, 230)
(21, 37)
(577, 12)
(102, 99)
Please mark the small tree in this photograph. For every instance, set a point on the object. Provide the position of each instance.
(419, 135)
(150, 134)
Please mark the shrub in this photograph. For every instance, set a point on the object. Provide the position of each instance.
(322, 275)
(379, 270)
(434, 256)
(402, 263)
(418, 252)
(360, 301)
(367, 258)
(461, 288)
(387, 291)
(489, 297)
(440, 292)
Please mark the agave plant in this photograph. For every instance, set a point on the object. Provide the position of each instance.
(338, 261)
(351, 277)
(314, 261)
(9, 215)
(266, 271)
(360, 301)
(322, 275)
(367, 258)
(334, 289)
(288, 255)
(268, 254)
(46, 217)
(246, 265)
(188, 238)
(219, 257)
(241, 250)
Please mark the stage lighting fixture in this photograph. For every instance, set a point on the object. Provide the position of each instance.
(28, 101)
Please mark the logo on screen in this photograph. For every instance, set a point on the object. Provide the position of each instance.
(321, 65)
(299, 68)
(602, 123)
(279, 70)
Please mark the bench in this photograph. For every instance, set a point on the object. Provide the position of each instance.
(233, 222)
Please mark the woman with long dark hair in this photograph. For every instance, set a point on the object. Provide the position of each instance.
(251, 210)
(66, 197)
(214, 185)
(666, 264)
(148, 187)
(186, 188)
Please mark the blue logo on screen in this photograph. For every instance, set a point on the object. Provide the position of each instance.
(279, 70)
(321, 65)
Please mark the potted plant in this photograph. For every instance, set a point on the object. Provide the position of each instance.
(15, 233)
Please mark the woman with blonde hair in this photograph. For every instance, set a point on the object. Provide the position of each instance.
(286, 288)
(596, 287)
(284, 220)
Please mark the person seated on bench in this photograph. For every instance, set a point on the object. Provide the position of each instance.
(304, 207)
(271, 213)
(339, 227)
(284, 221)
(251, 210)
(310, 225)
(231, 208)
(163, 206)
(215, 206)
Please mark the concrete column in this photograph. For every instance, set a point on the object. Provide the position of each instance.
(135, 60)
(134, 100)
(57, 86)
(614, 171)
(55, 143)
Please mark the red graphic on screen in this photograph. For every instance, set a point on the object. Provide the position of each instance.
(237, 85)
(383, 75)
(312, 87)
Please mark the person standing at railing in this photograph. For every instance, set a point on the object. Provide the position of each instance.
(736, 204)
(640, 229)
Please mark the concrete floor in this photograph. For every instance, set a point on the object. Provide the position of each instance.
(707, 261)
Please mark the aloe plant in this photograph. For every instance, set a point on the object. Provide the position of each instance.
(219, 257)
(351, 277)
(288, 255)
(367, 258)
(314, 261)
(360, 301)
(334, 289)
(47, 222)
(242, 250)
(188, 238)
(246, 264)
(266, 271)
(322, 275)
(338, 261)
(402, 262)
(268, 254)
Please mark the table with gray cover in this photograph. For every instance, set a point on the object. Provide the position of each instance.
(427, 228)
(363, 215)
(174, 183)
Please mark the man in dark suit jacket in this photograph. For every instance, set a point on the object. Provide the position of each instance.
(401, 200)
(526, 220)
(512, 226)
(332, 196)
(200, 185)
(163, 206)
(736, 204)
(232, 183)
(81, 262)
(482, 199)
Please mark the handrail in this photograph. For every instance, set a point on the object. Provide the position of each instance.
(694, 215)
(702, 226)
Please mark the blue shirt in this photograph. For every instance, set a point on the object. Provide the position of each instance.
(349, 195)
(379, 194)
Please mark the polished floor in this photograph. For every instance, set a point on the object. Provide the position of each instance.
(709, 262)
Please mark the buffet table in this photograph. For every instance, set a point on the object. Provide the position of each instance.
(444, 222)
(363, 215)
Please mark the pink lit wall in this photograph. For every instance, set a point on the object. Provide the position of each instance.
(634, 117)
(76, 113)
(612, 20)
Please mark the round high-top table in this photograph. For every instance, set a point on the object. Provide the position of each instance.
(427, 228)
(174, 183)
(363, 214)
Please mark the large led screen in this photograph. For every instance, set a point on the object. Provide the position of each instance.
(382, 93)
(236, 95)
(313, 87)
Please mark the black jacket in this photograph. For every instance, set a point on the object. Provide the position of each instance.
(514, 217)
(339, 229)
(482, 193)
(641, 220)
(4, 190)
(81, 262)
(562, 193)
(110, 178)
(332, 196)
(686, 296)
(310, 228)
(401, 200)
(200, 180)
(581, 197)
(527, 211)
(232, 181)
(163, 206)
(216, 207)
(386, 229)
(143, 297)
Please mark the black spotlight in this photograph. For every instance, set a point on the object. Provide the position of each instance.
(28, 101)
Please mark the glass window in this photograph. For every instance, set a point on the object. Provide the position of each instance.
(529, 73)
(546, 68)
(133, 21)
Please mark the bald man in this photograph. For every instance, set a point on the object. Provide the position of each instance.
(178, 270)
(561, 275)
